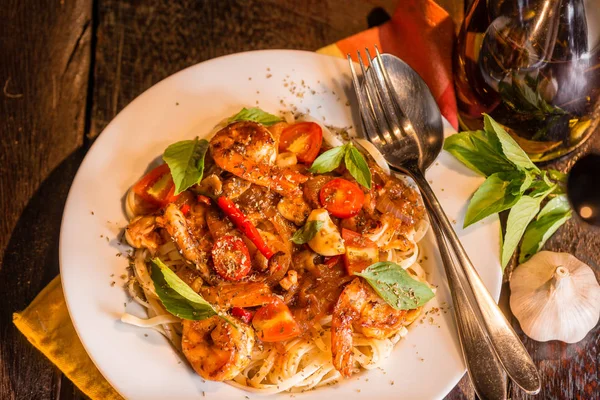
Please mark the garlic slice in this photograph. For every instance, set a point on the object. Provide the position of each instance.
(555, 297)
(327, 241)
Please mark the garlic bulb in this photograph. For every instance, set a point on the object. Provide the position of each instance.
(555, 297)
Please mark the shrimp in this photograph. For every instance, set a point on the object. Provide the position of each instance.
(248, 150)
(141, 233)
(234, 187)
(360, 308)
(217, 350)
(186, 236)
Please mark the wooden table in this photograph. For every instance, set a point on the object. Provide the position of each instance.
(68, 67)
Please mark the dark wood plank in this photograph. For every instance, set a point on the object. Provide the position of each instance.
(44, 72)
(140, 43)
(570, 371)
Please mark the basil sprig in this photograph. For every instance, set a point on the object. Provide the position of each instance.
(186, 162)
(396, 286)
(307, 232)
(353, 159)
(512, 182)
(178, 298)
(555, 213)
(257, 115)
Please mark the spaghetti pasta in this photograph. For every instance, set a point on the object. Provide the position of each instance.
(298, 290)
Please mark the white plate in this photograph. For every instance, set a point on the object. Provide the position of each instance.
(140, 363)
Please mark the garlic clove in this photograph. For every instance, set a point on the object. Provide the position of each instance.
(327, 241)
(555, 297)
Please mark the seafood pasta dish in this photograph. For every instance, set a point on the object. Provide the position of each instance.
(274, 256)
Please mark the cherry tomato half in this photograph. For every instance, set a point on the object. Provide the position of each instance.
(274, 322)
(156, 187)
(231, 258)
(360, 251)
(303, 139)
(342, 198)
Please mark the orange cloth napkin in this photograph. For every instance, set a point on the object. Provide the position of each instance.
(420, 32)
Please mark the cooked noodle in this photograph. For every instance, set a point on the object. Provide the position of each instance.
(298, 364)
(305, 364)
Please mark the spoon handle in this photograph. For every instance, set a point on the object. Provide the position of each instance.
(508, 348)
(486, 373)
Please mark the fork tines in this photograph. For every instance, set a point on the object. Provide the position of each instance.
(378, 107)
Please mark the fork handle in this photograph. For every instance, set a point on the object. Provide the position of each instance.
(508, 348)
(484, 369)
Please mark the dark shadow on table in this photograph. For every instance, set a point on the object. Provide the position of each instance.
(30, 263)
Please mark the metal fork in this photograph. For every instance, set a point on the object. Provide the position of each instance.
(484, 334)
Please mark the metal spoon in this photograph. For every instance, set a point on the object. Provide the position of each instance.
(583, 188)
(486, 373)
(403, 122)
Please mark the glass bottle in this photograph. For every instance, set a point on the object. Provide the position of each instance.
(534, 66)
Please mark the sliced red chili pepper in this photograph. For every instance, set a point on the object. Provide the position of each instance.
(242, 314)
(185, 209)
(244, 224)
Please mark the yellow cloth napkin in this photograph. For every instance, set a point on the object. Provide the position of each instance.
(46, 322)
(47, 325)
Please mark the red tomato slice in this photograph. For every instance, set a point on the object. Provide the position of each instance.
(342, 198)
(360, 251)
(274, 322)
(156, 187)
(231, 257)
(303, 139)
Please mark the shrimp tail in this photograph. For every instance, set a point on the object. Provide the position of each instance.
(341, 339)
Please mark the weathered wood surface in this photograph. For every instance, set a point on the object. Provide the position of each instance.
(44, 72)
(68, 67)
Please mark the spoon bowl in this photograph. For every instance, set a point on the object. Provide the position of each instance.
(420, 109)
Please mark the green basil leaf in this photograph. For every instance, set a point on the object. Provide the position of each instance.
(186, 161)
(479, 151)
(557, 205)
(329, 160)
(400, 290)
(510, 148)
(519, 217)
(257, 115)
(499, 192)
(357, 166)
(554, 214)
(541, 187)
(557, 175)
(307, 232)
(177, 297)
(527, 182)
